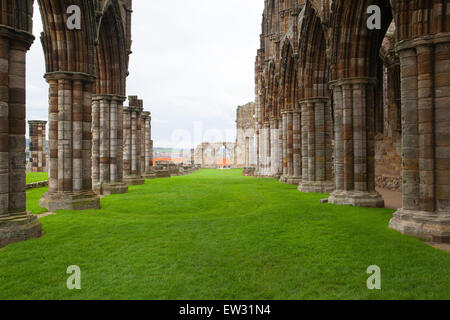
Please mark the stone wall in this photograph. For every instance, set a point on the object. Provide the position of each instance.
(245, 136)
(38, 146)
(211, 156)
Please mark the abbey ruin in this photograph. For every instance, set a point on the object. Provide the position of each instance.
(344, 109)
(339, 108)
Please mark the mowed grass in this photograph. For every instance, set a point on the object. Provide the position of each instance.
(36, 177)
(218, 235)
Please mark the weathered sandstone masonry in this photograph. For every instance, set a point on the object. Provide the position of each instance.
(38, 145)
(245, 140)
(79, 63)
(355, 144)
(132, 136)
(70, 143)
(317, 174)
(107, 144)
(347, 96)
(16, 224)
(147, 145)
(425, 75)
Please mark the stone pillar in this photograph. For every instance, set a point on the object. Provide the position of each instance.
(132, 142)
(107, 144)
(148, 172)
(16, 224)
(297, 147)
(274, 148)
(70, 143)
(355, 143)
(290, 177)
(258, 150)
(425, 69)
(317, 149)
(280, 147)
(38, 145)
(284, 149)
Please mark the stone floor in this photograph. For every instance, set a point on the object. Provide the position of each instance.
(392, 199)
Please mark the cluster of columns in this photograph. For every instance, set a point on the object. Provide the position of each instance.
(16, 224)
(38, 146)
(316, 151)
(132, 140)
(70, 143)
(107, 144)
(291, 143)
(425, 83)
(355, 143)
(147, 147)
(298, 147)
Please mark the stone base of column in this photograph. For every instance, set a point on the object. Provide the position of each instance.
(293, 180)
(19, 228)
(162, 173)
(428, 226)
(149, 175)
(111, 188)
(134, 180)
(316, 186)
(70, 201)
(357, 199)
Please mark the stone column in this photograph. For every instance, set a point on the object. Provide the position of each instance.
(16, 224)
(265, 150)
(297, 147)
(107, 149)
(280, 147)
(274, 148)
(317, 149)
(132, 142)
(355, 143)
(70, 143)
(258, 150)
(425, 69)
(148, 172)
(290, 177)
(284, 149)
(38, 145)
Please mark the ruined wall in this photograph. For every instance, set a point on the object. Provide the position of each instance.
(211, 155)
(245, 136)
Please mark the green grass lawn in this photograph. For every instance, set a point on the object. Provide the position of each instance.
(218, 235)
(36, 177)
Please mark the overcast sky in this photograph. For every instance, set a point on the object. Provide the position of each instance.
(192, 63)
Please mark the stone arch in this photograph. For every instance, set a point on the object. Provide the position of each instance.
(70, 67)
(316, 121)
(423, 32)
(108, 99)
(290, 121)
(354, 48)
(112, 55)
(353, 70)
